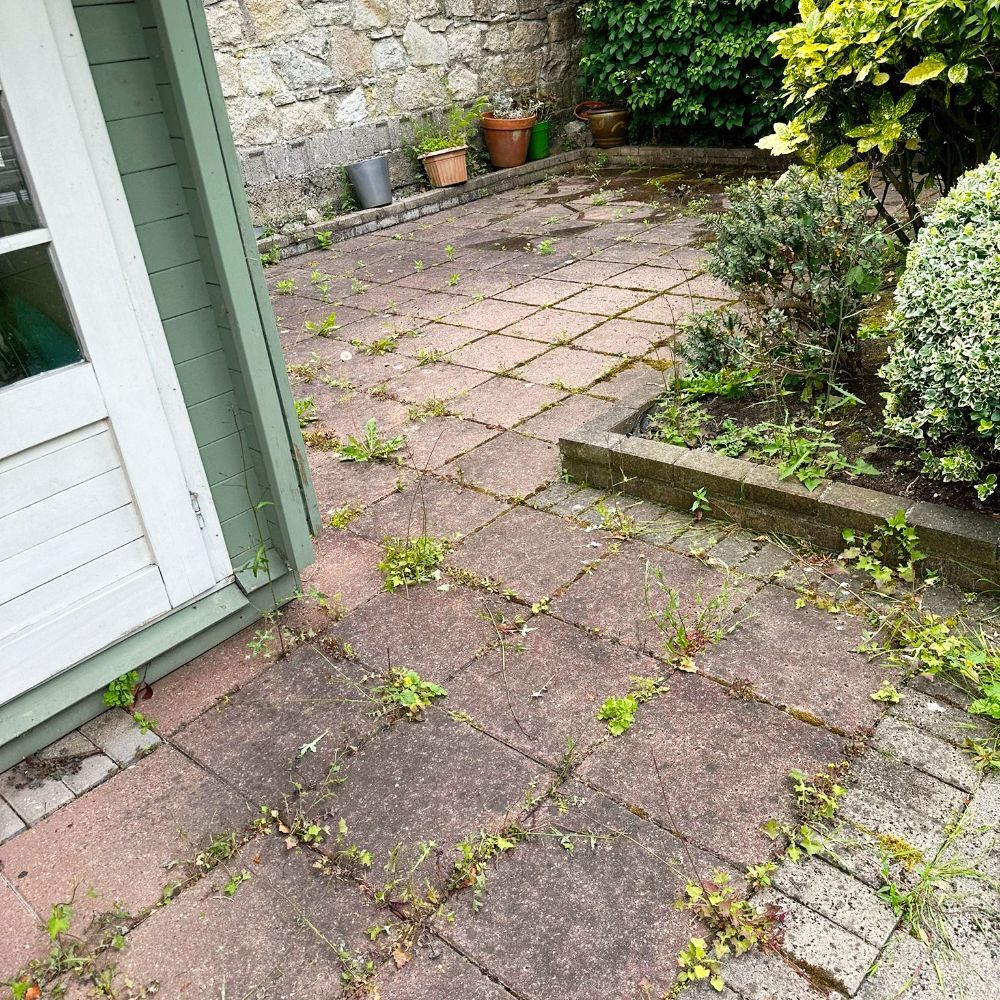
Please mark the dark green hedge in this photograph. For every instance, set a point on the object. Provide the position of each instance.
(703, 65)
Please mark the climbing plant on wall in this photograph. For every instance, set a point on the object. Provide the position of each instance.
(705, 65)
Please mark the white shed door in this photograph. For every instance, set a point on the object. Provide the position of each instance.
(98, 533)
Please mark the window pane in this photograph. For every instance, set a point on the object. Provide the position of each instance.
(17, 214)
(36, 333)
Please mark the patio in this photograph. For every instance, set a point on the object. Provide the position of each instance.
(540, 855)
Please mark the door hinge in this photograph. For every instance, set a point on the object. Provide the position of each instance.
(196, 507)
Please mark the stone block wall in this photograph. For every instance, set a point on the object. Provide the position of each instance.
(313, 84)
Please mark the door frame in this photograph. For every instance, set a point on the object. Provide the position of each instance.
(90, 206)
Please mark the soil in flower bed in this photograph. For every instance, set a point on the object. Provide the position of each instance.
(855, 431)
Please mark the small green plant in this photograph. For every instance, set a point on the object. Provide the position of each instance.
(270, 257)
(409, 561)
(616, 520)
(432, 407)
(429, 356)
(887, 694)
(358, 287)
(325, 328)
(306, 371)
(687, 631)
(305, 411)
(286, 286)
(418, 266)
(449, 252)
(699, 503)
(371, 447)
(406, 691)
(377, 347)
(341, 517)
(121, 691)
(890, 553)
(454, 279)
(618, 713)
(545, 248)
(234, 882)
(475, 855)
(818, 797)
(737, 927)
(324, 239)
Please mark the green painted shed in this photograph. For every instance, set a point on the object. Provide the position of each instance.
(154, 489)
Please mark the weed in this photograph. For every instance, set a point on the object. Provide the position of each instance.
(449, 252)
(686, 633)
(888, 694)
(418, 266)
(234, 882)
(409, 561)
(307, 371)
(737, 926)
(378, 346)
(286, 286)
(358, 286)
(341, 517)
(270, 257)
(427, 356)
(700, 505)
(476, 853)
(320, 281)
(305, 411)
(323, 329)
(454, 279)
(890, 553)
(818, 798)
(124, 691)
(324, 239)
(322, 439)
(432, 407)
(616, 520)
(545, 248)
(371, 447)
(618, 713)
(407, 692)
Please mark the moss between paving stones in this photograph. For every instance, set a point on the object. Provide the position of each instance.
(963, 545)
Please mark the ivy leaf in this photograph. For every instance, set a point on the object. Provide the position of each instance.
(931, 67)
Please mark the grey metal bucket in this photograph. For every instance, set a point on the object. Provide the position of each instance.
(370, 180)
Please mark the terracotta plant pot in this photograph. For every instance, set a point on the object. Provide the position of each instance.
(446, 167)
(507, 139)
(608, 123)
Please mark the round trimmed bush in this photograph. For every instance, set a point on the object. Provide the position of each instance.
(943, 373)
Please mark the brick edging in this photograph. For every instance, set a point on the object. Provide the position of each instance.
(964, 545)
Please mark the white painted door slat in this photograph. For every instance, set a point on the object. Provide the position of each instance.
(55, 466)
(67, 511)
(77, 585)
(54, 644)
(60, 555)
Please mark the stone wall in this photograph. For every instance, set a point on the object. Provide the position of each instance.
(313, 84)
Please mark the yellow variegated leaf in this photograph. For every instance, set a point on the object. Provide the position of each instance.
(880, 79)
(930, 68)
(958, 73)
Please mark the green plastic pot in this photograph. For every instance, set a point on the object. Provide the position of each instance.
(538, 144)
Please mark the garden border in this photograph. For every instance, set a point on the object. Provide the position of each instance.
(964, 545)
(416, 206)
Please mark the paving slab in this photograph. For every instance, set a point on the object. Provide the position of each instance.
(506, 550)
(427, 629)
(437, 337)
(759, 976)
(492, 315)
(116, 839)
(10, 822)
(340, 483)
(838, 897)
(497, 353)
(624, 383)
(508, 465)
(612, 598)
(671, 309)
(566, 366)
(558, 421)
(24, 936)
(444, 382)
(541, 292)
(529, 932)
(589, 272)
(504, 402)
(604, 301)
(435, 971)
(431, 780)
(32, 797)
(433, 443)
(557, 678)
(626, 338)
(119, 735)
(939, 718)
(715, 795)
(275, 937)
(894, 779)
(252, 740)
(802, 659)
(553, 326)
(926, 753)
(345, 570)
(430, 507)
(838, 956)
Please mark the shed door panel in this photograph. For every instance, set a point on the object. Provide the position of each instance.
(98, 533)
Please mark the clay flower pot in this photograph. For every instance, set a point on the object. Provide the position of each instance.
(446, 167)
(608, 124)
(507, 139)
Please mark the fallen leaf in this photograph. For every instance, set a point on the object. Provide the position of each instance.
(400, 957)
